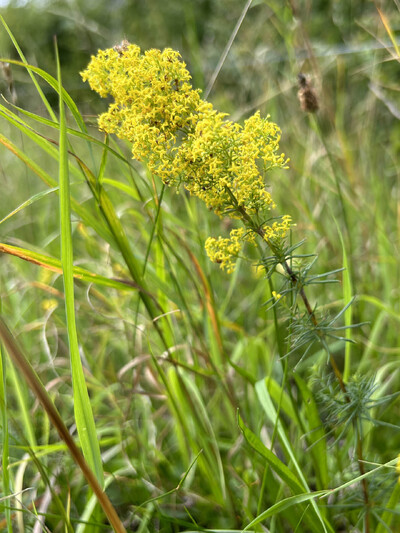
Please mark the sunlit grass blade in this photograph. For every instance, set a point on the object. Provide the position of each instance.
(392, 36)
(79, 273)
(389, 512)
(83, 411)
(348, 314)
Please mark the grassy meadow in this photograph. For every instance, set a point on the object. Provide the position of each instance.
(144, 388)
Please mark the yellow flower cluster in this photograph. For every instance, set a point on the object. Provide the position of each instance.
(278, 229)
(225, 251)
(184, 140)
(224, 163)
(153, 99)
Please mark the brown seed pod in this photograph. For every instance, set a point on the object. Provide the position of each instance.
(307, 95)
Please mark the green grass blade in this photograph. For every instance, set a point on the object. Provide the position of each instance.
(24, 408)
(354, 481)
(118, 232)
(27, 203)
(348, 314)
(284, 472)
(5, 442)
(54, 84)
(55, 125)
(83, 411)
(274, 462)
(24, 62)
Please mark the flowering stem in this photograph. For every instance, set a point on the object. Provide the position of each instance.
(336, 370)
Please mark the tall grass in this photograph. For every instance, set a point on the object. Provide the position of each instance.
(201, 418)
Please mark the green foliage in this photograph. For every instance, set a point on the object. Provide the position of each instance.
(215, 405)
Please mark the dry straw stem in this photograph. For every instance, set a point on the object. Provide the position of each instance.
(22, 363)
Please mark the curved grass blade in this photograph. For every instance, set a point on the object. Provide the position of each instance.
(347, 297)
(274, 462)
(53, 264)
(28, 202)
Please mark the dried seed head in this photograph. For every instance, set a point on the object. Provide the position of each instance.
(307, 95)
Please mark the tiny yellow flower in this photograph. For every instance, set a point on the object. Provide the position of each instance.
(225, 251)
(48, 304)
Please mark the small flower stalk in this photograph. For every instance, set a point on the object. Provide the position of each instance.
(186, 142)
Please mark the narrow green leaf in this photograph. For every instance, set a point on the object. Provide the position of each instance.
(316, 434)
(348, 314)
(28, 202)
(276, 464)
(83, 412)
(24, 62)
(23, 405)
(357, 479)
(54, 84)
(54, 264)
